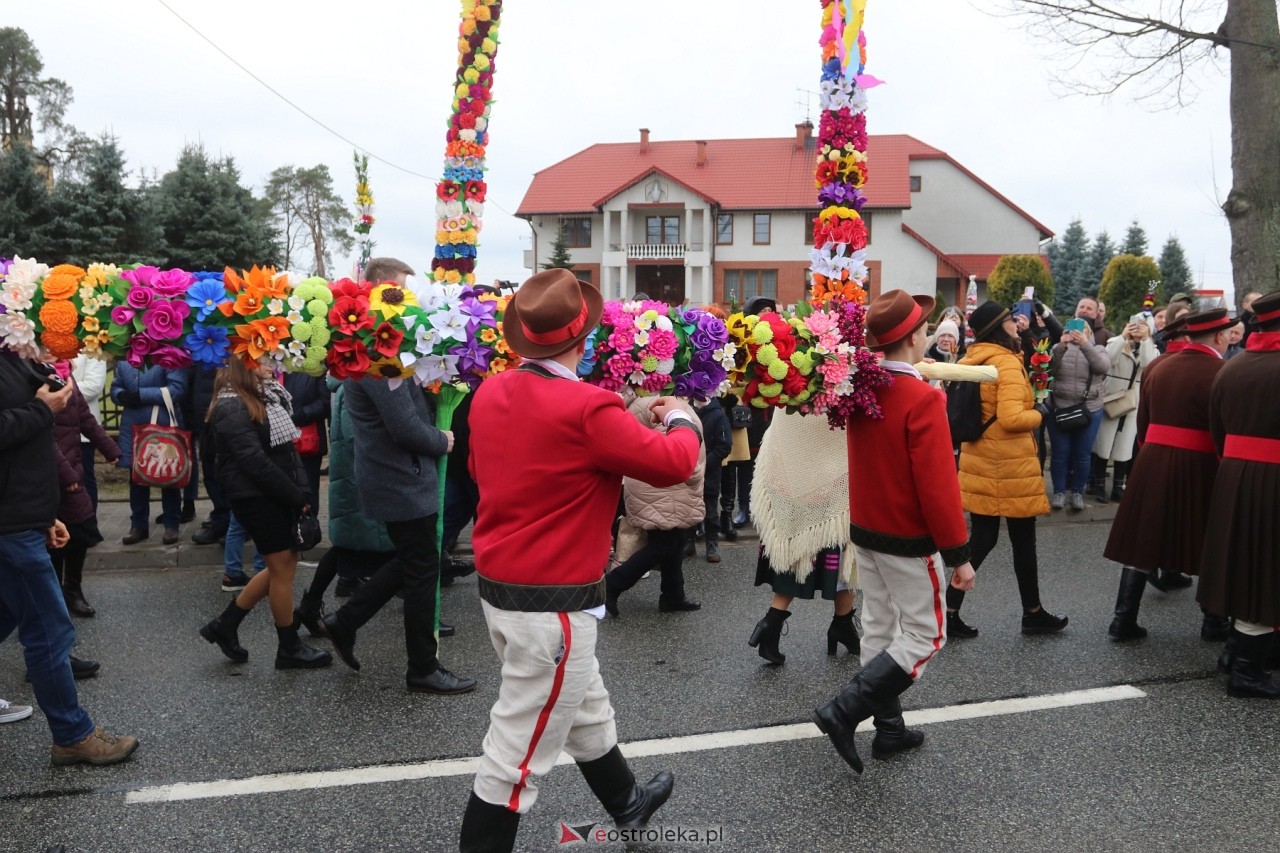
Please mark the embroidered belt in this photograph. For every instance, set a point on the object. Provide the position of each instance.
(542, 598)
(1252, 448)
(1198, 440)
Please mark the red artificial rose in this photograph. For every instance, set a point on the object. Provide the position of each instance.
(386, 340)
(349, 314)
(794, 384)
(751, 391)
(476, 190)
(347, 357)
(347, 287)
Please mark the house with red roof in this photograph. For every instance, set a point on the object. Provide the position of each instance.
(724, 220)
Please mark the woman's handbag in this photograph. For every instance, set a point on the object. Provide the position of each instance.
(1121, 404)
(306, 533)
(1072, 418)
(308, 443)
(161, 454)
(739, 417)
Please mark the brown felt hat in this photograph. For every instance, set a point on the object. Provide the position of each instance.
(894, 315)
(1207, 322)
(551, 313)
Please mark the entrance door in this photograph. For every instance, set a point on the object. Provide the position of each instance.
(664, 282)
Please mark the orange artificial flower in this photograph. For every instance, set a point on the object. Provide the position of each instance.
(257, 338)
(60, 317)
(60, 285)
(68, 269)
(61, 344)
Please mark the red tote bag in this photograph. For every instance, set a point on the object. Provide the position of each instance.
(161, 454)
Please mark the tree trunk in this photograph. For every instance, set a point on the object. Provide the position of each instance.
(1253, 205)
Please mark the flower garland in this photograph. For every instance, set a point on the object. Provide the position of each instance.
(461, 192)
(1041, 381)
(364, 212)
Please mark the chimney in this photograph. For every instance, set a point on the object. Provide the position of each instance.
(804, 131)
(644, 140)
(702, 152)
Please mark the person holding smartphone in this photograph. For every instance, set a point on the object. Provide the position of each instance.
(1130, 352)
(1079, 367)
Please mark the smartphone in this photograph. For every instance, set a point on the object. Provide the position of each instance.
(1075, 324)
(1022, 308)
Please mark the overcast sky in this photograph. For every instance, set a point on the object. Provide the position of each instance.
(571, 73)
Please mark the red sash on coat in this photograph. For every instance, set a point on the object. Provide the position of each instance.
(1252, 448)
(1198, 440)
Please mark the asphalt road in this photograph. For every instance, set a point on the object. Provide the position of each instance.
(1181, 766)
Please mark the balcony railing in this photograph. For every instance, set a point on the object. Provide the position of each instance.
(655, 251)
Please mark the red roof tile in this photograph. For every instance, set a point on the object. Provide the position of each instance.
(738, 173)
(982, 265)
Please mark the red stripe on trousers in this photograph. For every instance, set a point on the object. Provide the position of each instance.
(544, 714)
(937, 614)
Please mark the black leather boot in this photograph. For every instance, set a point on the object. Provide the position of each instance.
(841, 631)
(1125, 626)
(1119, 474)
(1248, 677)
(1097, 478)
(295, 654)
(310, 614)
(626, 800)
(767, 633)
(1228, 655)
(892, 734)
(880, 681)
(726, 527)
(223, 631)
(1214, 628)
(487, 828)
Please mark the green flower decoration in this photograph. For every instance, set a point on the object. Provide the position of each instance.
(779, 369)
(771, 389)
(318, 307)
(320, 335)
(767, 354)
(301, 331)
(762, 333)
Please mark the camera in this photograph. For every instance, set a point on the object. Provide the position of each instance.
(51, 377)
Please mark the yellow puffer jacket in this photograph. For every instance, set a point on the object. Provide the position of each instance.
(1000, 473)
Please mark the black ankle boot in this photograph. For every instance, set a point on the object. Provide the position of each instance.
(957, 628)
(487, 828)
(892, 734)
(223, 631)
(1248, 677)
(880, 681)
(1125, 626)
(1214, 628)
(295, 654)
(767, 633)
(627, 801)
(726, 527)
(842, 631)
(310, 614)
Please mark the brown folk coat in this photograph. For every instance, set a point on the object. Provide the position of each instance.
(1240, 574)
(1161, 520)
(1000, 473)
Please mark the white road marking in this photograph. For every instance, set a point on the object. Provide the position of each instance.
(277, 782)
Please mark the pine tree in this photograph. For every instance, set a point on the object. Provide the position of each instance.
(1174, 270)
(1100, 254)
(26, 209)
(1135, 241)
(311, 218)
(1067, 261)
(560, 258)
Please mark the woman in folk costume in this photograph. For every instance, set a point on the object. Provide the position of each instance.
(800, 501)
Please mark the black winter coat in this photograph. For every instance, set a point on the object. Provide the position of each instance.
(311, 397)
(246, 463)
(28, 460)
(718, 440)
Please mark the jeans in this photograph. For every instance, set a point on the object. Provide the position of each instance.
(31, 601)
(140, 507)
(415, 569)
(663, 550)
(233, 551)
(1071, 452)
(88, 455)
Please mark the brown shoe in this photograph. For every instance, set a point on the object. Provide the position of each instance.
(101, 747)
(135, 535)
(170, 536)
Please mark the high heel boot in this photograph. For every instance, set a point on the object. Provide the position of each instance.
(842, 631)
(767, 634)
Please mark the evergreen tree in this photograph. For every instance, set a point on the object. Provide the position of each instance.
(1135, 241)
(560, 258)
(1067, 262)
(1174, 270)
(1124, 284)
(26, 209)
(1014, 274)
(1100, 254)
(209, 220)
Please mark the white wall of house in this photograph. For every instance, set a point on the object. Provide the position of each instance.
(955, 213)
(904, 263)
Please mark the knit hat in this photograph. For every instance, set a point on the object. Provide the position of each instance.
(986, 318)
(947, 327)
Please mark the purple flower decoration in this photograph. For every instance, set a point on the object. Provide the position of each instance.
(478, 314)
(122, 315)
(170, 357)
(171, 283)
(140, 346)
(837, 193)
(139, 297)
(5, 263)
(164, 319)
(472, 357)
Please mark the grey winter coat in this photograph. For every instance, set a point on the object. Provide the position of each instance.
(1071, 368)
(674, 507)
(397, 447)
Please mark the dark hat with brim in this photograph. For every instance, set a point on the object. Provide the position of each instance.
(550, 314)
(1266, 310)
(1207, 322)
(986, 318)
(760, 304)
(894, 315)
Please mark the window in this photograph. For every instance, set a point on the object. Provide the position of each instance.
(661, 229)
(577, 232)
(808, 229)
(761, 229)
(743, 285)
(582, 275)
(724, 229)
(916, 182)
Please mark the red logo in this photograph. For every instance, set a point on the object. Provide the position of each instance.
(574, 834)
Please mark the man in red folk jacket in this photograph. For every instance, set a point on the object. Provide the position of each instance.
(906, 521)
(548, 454)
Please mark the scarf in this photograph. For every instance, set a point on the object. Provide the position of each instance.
(800, 495)
(1263, 342)
(279, 406)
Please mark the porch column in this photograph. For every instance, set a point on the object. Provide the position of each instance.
(709, 285)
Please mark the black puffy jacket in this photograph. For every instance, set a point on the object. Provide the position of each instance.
(246, 463)
(28, 461)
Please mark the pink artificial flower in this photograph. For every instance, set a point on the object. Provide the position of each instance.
(164, 319)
